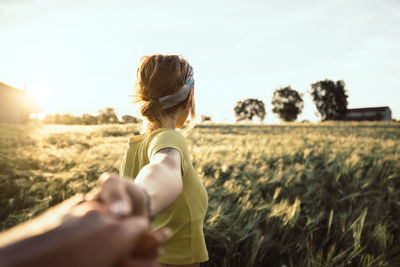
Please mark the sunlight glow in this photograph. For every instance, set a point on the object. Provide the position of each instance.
(41, 116)
(37, 116)
(41, 93)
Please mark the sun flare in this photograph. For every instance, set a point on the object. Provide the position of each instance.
(37, 116)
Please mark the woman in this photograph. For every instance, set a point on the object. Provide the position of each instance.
(159, 159)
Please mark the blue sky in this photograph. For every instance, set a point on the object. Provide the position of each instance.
(81, 56)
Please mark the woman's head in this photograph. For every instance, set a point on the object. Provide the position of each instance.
(164, 88)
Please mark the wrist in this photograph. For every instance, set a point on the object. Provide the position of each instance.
(148, 203)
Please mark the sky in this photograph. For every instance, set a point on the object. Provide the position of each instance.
(79, 56)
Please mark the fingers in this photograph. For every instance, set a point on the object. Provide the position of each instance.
(115, 195)
(148, 248)
(140, 242)
(162, 235)
(150, 244)
(138, 197)
(83, 209)
(133, 229)
(134, 243)
(121, 197)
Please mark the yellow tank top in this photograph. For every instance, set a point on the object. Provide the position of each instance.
(186, 216)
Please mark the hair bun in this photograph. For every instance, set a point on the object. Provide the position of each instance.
(162, 76)
(150, 99)
(154, 99)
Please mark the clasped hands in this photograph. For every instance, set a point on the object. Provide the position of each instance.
(109, 226)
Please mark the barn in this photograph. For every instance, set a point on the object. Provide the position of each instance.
(369, 114)
(15, 105)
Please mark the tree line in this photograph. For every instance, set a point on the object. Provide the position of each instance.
(329, 97)
(104, 116)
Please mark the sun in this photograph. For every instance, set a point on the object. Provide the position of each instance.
(41, 94)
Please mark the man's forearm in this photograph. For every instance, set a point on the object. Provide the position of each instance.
(49, 220)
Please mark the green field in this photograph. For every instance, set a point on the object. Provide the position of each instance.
(279, 195)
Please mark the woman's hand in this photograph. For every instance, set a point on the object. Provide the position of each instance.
(120, 197)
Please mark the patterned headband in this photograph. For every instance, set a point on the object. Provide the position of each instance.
(169, 101)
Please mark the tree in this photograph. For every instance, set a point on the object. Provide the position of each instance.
(62, 119)
(205, 118)
(129, 119)
(108, 115)
(330, 99)
(88, 119)
(288, 103)
(249, 108)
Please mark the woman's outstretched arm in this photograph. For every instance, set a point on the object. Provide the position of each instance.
(162, 179)
(157, 186)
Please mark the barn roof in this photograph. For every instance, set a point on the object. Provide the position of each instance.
(24, 97)
(4, 86)
(369, 109)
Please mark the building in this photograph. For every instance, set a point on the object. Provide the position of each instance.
(369, 114)
(15, 105)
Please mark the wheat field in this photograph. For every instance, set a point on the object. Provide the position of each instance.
(323, 194)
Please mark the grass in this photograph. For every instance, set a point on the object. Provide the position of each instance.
(279, 195)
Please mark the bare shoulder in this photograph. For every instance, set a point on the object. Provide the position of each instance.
(167, 154)
(168, 150)
(168, 157)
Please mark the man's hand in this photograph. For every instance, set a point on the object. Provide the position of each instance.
(90, 231)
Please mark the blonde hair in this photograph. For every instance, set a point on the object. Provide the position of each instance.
(158, 76)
